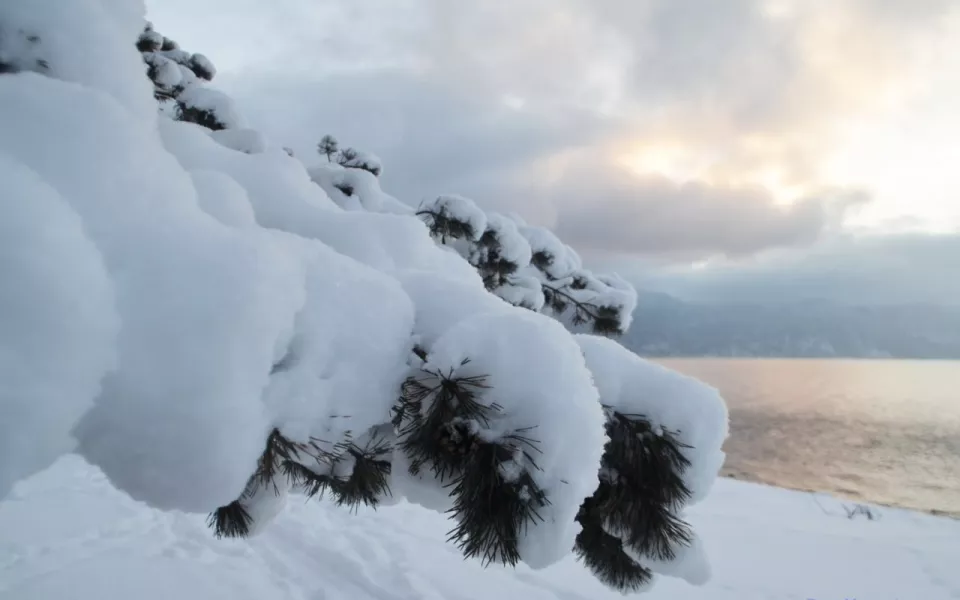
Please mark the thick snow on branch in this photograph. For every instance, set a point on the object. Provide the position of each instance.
(512, 245)
(177, 296)
(58, 324)
(669, 400)
(535, 366)
(355, 189)
(454, 217)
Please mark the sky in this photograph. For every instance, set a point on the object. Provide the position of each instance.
(746, 147)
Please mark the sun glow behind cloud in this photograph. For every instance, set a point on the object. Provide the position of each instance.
(778, 114)
(889, 125)
(910, 158)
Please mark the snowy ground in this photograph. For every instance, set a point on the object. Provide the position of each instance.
(67, 535)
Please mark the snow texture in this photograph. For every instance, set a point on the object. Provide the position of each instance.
(187, 370)
(460, 209)
(513, 246)
(223, 198)
(347, 357)
(562, 260)
(214, 102)
(355, 189)
(58, 325)
(532, 365)
(169, 74)
(522, 291)
(180, 293)
(79, 40)
(366, 161)
(68, 534)
(249, 141)
(692, 410)
(203, 63)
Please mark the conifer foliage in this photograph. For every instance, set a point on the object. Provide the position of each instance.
(633, 513)
(314, 468)
(444, 424)
(175, 73)
(530, 267)
(441, 420)
(21, 50)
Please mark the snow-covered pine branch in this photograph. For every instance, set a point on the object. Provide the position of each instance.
(233, 335)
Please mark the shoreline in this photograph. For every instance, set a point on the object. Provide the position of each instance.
(838, 494)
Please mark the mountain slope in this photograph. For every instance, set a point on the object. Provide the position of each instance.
(667, 326)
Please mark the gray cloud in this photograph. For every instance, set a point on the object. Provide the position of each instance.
(610, 211)
(872, 269)
(435, 140)
(526, 107)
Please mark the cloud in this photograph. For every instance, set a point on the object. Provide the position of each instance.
(609, 210)
(433, 138)
(870, 269)
(682, 129)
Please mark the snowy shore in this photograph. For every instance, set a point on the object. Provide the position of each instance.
(66, 534)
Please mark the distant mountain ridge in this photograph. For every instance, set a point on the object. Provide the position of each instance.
(667, 326)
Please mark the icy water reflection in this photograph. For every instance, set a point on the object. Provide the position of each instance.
(875, 430)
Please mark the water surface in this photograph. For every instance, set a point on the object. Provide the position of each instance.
(884, 431)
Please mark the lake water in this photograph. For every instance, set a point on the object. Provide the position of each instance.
(880, 431)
